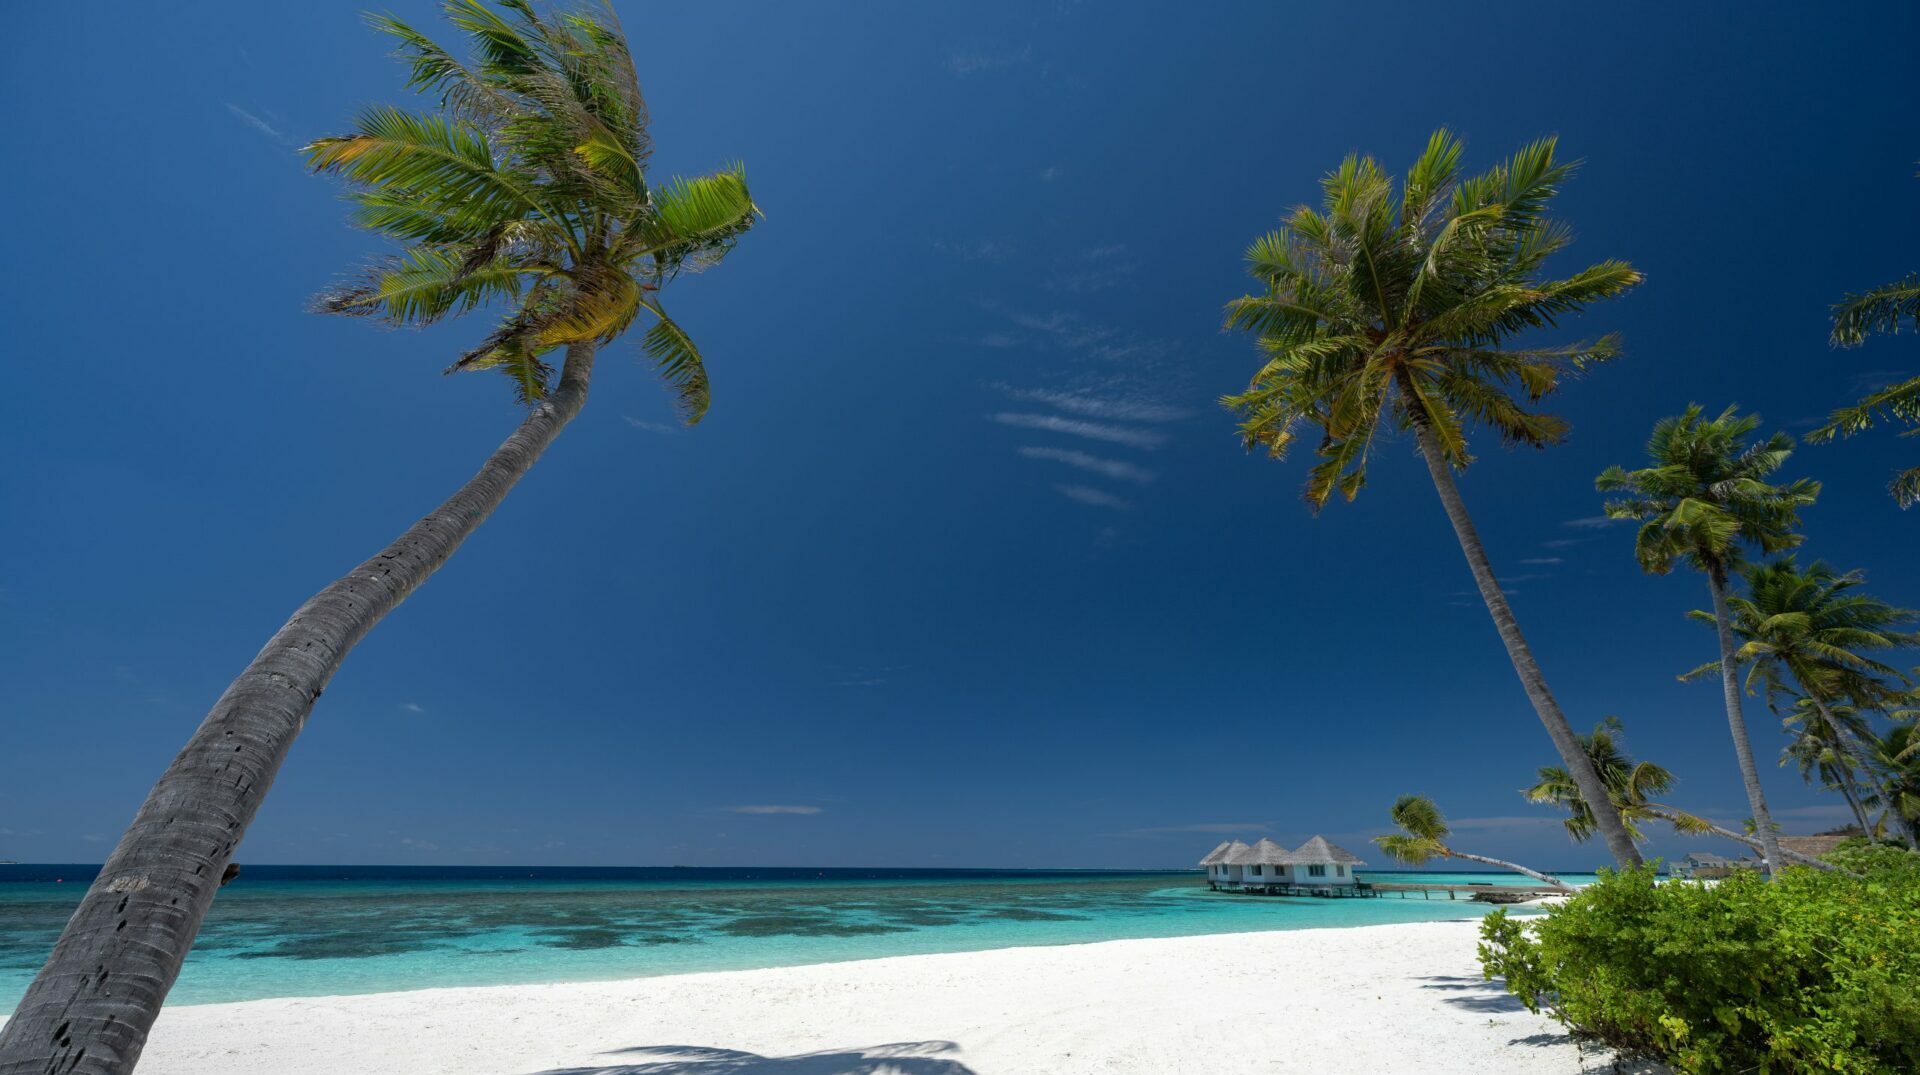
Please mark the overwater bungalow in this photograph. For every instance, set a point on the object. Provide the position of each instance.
(1221, 872)
(1265, 866)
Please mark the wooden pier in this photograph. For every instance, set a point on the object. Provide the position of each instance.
(1363, 890)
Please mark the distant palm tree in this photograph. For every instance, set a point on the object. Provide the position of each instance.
(1423, 837)
(527, 188)
(1397, 308)
(1898, 755)
(1809, 632)
(1855, 317)
(1702, 500)
(1631, 784)
(1820, 753)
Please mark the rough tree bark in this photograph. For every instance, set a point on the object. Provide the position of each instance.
(1606, 816)
(92, 1005)
(1737, 722)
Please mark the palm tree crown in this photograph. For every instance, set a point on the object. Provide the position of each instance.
(1813, 628)
(1632, 784)
(1706, 493)
(1423, 831)
(530, 189)
(1397, 302)
(1896, 402)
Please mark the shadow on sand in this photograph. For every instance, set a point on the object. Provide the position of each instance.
(1474, 994)
(898, 1058)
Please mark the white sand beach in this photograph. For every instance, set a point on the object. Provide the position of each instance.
(1377, 999)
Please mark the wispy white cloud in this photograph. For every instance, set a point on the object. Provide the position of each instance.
(1118, 469)
(1562, 543)
(1127, 435)
(976, 249)
(1543, 560)
(1088, 495)
(1091, 406)
(969, 63)
(665, 429)
(1507, 823)
(1094, 270)
(773, 810)
(1050, 173)
(413, 707)
(255, 122)
(1590, 522)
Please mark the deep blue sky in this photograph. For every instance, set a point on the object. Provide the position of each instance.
(874, 585)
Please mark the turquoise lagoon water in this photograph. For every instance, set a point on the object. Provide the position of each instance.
(319, 931)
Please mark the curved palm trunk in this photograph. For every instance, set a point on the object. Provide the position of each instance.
(1845, 780)
(1849, 748)
(1553, 882)
(1684, 821)
(1606, 815)
(89, 1010)
(1737, 722)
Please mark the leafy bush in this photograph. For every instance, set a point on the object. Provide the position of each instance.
(1812, 972)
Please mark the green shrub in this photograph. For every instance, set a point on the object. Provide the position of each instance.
(1812, 972)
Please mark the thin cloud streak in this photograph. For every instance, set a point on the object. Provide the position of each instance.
(1133, 438)
(1096, 498)
(1117, 469)
(773, 810)
(255, 122)
(1125, 410)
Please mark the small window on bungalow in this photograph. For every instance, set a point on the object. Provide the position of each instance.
(1256, 871)
(1316, 871)
(1339, 871)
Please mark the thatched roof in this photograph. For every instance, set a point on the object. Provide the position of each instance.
(1318, 852)
(1818, 845)
(1263, 853)
(1224, 853)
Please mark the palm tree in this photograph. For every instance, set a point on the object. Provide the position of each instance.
(526, 189)
(1631, 784)
(1398, 308)
(1808, 633)
(1854, 318)
(1817, 748)
(1423, 837)
(1704, 497)
(1898, 754)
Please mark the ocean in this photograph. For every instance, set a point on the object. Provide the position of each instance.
(281, 931)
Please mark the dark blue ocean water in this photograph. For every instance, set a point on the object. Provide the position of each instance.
(324, 930)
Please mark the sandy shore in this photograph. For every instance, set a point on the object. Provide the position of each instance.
(1379, 999)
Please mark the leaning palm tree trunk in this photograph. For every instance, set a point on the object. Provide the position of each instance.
(1849, 749)
(89, 1010)
(1552, 882)
(1606, 816)
(1686, 822)
(1737, 723)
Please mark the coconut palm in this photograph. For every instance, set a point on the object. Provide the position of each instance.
(1423, 837)
(1702, 501)
(1631, 784)
(526, 190)
(1817, 749)
(1398, 306)
(1809, 632)
(1898, 755)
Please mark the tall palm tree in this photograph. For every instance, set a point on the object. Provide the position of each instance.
(1898, 754)
(1880, 310)
(1704, 498)
(1809, 632)
(527, 190)
(1631, 784)
(1400, 307)
(1423, 837)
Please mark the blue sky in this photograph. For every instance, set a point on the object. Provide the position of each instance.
(965, 567)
